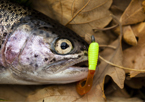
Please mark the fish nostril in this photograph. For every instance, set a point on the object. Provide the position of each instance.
(53, 60)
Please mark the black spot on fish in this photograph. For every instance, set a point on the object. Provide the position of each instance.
(36, 65)
(5, 34)
(9, 8)
(27, 58)
(10, 4)
(21, 14)
(19, 10)
(14, 7)
(25, 13)
(46, 59)
(35, 55)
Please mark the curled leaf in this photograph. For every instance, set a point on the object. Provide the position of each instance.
(134, 13)
(128, 36)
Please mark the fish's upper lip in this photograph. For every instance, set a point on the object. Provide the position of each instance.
(67, 63)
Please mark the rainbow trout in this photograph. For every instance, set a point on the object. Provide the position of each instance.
(35, 49)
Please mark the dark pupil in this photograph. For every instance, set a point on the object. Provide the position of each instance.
(64, 45)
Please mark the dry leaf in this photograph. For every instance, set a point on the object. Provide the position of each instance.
(129, 36)
(16, 92)
(134, 57)
(55, 93)
(121, 4)
(117, 12)
(94, 15)
(134, 13)
(113, 90)
(63, 93)
(122, 99)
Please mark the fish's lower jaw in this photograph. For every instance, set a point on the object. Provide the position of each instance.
(69, 75)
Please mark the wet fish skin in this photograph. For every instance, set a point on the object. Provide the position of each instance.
(28, 55)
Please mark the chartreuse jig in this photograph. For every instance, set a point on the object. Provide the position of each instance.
(93, 52)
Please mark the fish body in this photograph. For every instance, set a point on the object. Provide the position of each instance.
(35, 49)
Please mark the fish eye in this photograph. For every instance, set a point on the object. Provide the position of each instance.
(63, 46)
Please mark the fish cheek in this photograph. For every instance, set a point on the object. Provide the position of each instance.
(15, 43)
(36, 54)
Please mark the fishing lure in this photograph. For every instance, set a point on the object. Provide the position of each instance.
(92, 58)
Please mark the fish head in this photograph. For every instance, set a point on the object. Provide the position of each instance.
(46, 53)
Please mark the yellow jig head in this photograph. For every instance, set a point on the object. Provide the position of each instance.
(93, 52)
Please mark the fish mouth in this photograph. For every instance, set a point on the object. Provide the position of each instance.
(76, 64)
(83, 64)
(80, 65)
(73, 70)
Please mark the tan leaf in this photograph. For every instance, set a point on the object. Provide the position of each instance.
(114, 91)
(121, 4)
(16, 92)
(134, 13)
(63, 93)
(134, 56)
(129, 36)
(122, 99)
(94, 15)
(55, 93)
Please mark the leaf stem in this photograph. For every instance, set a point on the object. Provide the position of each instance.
(77, 13)
(118, 66)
